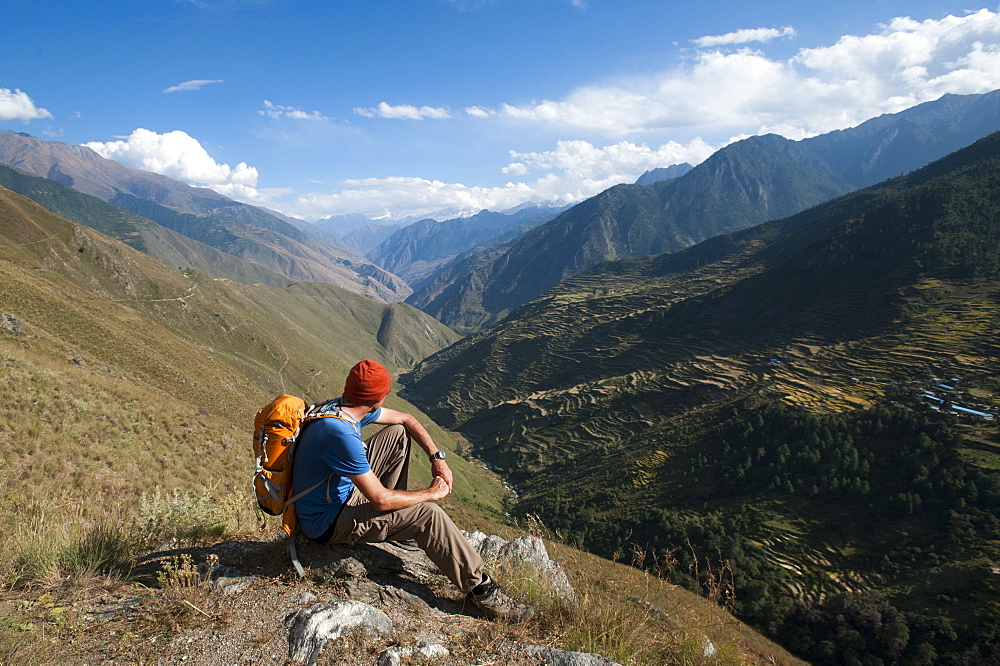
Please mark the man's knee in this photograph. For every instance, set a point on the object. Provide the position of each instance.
(428, 514)
(394, 431)
(427, 511)
(393, 435)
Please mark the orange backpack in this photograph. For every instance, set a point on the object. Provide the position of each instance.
(275, 431)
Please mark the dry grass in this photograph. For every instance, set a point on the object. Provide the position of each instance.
(613, 616)
(86, 457)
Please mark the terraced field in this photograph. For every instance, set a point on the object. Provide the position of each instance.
(592, 370)
(818, 569)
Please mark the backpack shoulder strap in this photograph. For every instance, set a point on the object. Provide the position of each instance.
(330, 409)
(321, 410)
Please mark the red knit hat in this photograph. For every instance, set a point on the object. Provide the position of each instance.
(367, 383)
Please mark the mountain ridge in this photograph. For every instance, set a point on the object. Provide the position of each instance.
(167, 245)
(745, 183)
(663, 173)
(256, 234)
(417, 251)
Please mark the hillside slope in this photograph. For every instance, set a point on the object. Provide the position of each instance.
(171, 248)
(741, 395)
(239, 229)
(743, 184)
(216, 345)
(303, 329)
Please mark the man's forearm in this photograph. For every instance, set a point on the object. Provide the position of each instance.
(416, 430)
(391, 500)
(418, 433)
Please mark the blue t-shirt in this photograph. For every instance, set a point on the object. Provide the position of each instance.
(329, 449)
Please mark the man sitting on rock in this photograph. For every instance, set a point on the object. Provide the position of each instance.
(361, 495)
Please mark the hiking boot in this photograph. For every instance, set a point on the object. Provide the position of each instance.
(496, 604)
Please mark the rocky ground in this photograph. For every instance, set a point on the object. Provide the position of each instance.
(241, 603)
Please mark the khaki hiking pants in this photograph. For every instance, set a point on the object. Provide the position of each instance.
(426, 523)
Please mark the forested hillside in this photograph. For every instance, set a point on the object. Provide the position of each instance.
(786, 401)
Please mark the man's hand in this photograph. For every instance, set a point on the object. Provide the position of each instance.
(440, 470)
(439, 488)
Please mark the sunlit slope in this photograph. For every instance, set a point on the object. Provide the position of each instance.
(757, 397)
(301, 332)
(170, 247)
(85, 310)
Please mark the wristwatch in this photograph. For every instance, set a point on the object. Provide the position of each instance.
(439, 455)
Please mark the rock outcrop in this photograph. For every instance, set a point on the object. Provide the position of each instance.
(394, 656)
(310, 628)
(384, 604)
(520, 553)
(554, 657)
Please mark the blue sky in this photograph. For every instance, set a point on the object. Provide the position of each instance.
(396, 107)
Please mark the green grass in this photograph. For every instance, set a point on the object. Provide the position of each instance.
(44, 546)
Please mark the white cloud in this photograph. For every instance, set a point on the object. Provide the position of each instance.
(745, 36)
(400, 196)
(278, 111)
(515, 169)
(403, 112)
(479, 112)
(818, 90)
(718, 94)
(16, 105)
(911, 61)
(182, 157)
(586, 167)
(573, 171)
(196, 84)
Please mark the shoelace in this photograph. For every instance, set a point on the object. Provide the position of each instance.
(500, 599)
